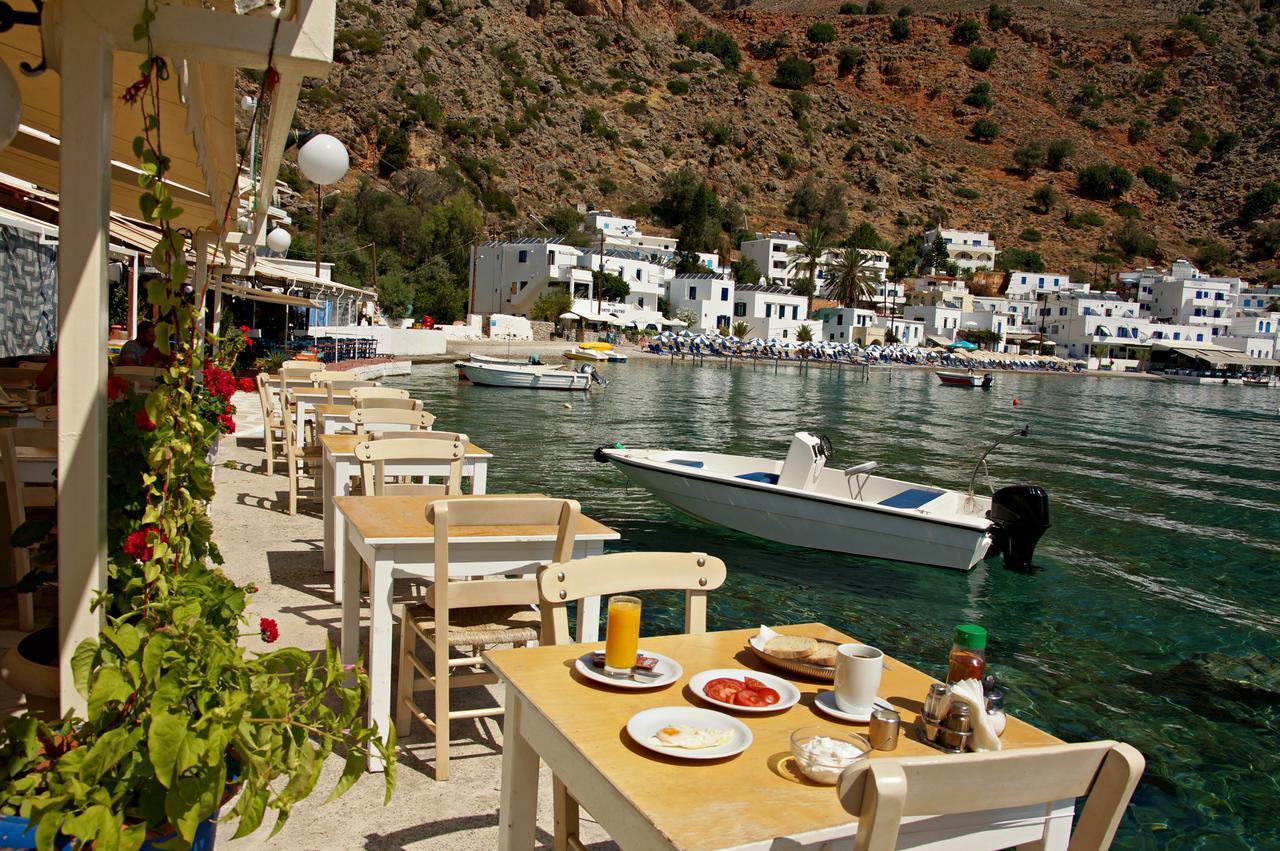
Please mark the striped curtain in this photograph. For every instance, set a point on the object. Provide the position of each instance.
(28, 293)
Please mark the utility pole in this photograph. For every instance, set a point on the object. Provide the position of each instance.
(600, 289)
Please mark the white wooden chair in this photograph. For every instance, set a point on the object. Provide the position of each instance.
(378, 420)
(309, 365)
(361, 393)
(472, 613)
(882, 792)
(386, 402)
(22, 497)
(272, 421)
(300, 461)
(562, 582)
(374, 456)
(47, 416)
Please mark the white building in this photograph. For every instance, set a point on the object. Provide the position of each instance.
(846, 324)
(1023, 283)
(971, 250)
(509, 276)
(709, 297)
(1259, 297)
(1182, 294)
(779, 267)
(941, 321)
(647, 279)
(772, 312)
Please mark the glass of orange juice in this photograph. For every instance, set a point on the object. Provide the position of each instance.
(622, 636)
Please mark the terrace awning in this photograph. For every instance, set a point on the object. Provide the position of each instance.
(255, 294)
(1214, 356)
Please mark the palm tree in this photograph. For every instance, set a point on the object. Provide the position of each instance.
(804, 334)
(853, 281)
(807, 258)
(741, 329)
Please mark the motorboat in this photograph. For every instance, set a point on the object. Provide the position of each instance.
(589, 355)
(532, 359)
(529, 376)
(616, 356)
(964, 379)
(802, 502)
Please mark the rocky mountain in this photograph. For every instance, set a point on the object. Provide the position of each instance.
(806, 109)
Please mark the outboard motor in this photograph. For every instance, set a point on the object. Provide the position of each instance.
(588, 369)
(1021, 515)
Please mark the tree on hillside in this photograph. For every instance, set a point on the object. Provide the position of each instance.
(611, 287)
(853, 280)
(435, 291)
(689, 204)
(936, 255)
(806, 258)
(548, 306)
(449, 229)
(864, 235)
(745, 272)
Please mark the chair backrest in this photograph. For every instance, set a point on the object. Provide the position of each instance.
(563, 581)
(11, 439)
(265, 396)
(359, 393)
(390, 419)
(882, 792)
(447, 514)
(309, 365)
(47, 415)
(320, 376)
(375, 454)
(386, 402)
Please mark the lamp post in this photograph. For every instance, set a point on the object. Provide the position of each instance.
(323, 160)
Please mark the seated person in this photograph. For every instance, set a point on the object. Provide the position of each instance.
(141, 350)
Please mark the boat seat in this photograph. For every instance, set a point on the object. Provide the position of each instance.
(685, 462)
(766, 478)
(911, 498)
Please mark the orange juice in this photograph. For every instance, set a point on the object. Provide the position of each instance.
(622, 635)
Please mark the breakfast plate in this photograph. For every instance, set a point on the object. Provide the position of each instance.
(753, 691)
(703, 733)
(826, 703)
(667, 671)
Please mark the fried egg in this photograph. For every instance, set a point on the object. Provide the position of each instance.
(692, 738)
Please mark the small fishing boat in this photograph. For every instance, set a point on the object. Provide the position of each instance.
(528, 376)
(964, 379)
(801, 502)
(532, 359)
(589, 355)
(616, 356)
(1257, 381)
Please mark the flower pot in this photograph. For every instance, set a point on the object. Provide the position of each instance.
(16, 833)
(31, 667)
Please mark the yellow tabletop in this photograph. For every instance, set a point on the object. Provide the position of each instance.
(754, 796)
(400, 517)
(345, 444)
(332, 410)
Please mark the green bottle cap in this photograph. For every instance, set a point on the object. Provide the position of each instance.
(970, 636)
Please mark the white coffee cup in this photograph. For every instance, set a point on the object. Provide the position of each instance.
(858, 669)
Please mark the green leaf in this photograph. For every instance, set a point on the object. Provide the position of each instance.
(193, 799)
(351, 771)
(164, 740)
(251, 807)
(153, 656)
(108, 687)
(48, 830)
(125, 637)
(82, 664)
(111, 747)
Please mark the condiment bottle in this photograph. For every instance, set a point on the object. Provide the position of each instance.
(995, 711)
(968, 654)
(955, 732)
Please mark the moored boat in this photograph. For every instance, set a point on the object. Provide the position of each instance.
(528, 376)
(584, 354)
(801, 502)
(964, 379)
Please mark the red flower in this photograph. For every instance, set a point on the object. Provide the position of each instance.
(270, 632)
(247, 385)
(136, 544)
(142, 421)
(116, 387)
(219, 382)
(245, 329)
(227, 422)
(228, 410)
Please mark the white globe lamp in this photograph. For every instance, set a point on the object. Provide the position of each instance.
(10, 106)
(279, 240)
(323, 159)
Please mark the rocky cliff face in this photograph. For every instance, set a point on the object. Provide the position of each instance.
(542, 103)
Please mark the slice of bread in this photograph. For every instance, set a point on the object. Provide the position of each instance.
(824, 654)
(790, 646)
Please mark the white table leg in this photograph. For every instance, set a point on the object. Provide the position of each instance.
(479, 475)
(300, 410)
(347, 589)
(589, 607)
(518, 804)
(379, 649)
(327, 493)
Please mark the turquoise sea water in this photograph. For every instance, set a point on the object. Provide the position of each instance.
(1165, 544)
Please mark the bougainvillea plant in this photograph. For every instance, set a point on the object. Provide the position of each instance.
(180, 716)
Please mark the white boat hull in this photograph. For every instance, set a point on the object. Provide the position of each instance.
(812, 520)
(961, 379)
(524, 377)
(589, 355)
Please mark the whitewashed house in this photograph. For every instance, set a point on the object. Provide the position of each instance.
(941, 321)
(647, 279)
(710, 297)
(508, 276)
(772, 312)
(1034, 283)
(778, 267)
(846, 324)
(971, 250)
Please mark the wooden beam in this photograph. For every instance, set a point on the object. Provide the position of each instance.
(82, 337)
(283, 103)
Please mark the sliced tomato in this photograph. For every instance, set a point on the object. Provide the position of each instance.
(750, 697)
(767, 694)
(722, 689)
(753, 684)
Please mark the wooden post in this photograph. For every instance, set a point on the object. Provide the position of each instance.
(86, 101)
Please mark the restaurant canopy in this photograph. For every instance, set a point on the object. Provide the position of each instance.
(1215, 356)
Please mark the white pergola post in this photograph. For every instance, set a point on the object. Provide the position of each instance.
(201, 241)
(82, 336)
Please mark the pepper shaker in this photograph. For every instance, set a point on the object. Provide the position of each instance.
(955, 733)
(883, 730)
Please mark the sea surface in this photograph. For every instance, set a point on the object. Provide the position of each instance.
(1153, 617)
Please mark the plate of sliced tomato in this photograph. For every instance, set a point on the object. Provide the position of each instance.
(744, 690)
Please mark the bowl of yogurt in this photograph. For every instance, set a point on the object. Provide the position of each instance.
(822, 754)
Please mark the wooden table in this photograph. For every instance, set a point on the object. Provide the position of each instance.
(304, 398)
(757, 799)
(340, 465)
(391, 535)
(336, 419)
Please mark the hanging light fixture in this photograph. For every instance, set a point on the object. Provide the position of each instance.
(10, 106)
(323, 159)
(279, 240)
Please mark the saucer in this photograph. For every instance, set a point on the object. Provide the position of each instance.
(826, 703)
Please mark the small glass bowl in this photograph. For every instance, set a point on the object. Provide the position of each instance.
(826, 769)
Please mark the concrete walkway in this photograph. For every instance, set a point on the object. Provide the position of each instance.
(282, 556)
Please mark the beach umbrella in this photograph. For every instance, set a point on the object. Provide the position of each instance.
(568, 317)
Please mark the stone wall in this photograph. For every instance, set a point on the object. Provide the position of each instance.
(542, 331)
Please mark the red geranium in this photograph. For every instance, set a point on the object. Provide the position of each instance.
(228, 423)
(136, 544)
(116, 387)
(142, 421)
(270, 631)
(219, 382)
(244, 329)
(247, 385)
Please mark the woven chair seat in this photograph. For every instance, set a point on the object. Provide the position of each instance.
(481, 624)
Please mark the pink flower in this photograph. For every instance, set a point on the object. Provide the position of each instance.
(142, 421)
(270, 631)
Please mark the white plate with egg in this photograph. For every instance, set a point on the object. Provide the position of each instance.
(666, 672)
(688, 732)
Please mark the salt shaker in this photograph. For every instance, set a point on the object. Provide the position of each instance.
(995, 711)
(935, 710)
(955, 733)
(883, 730)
